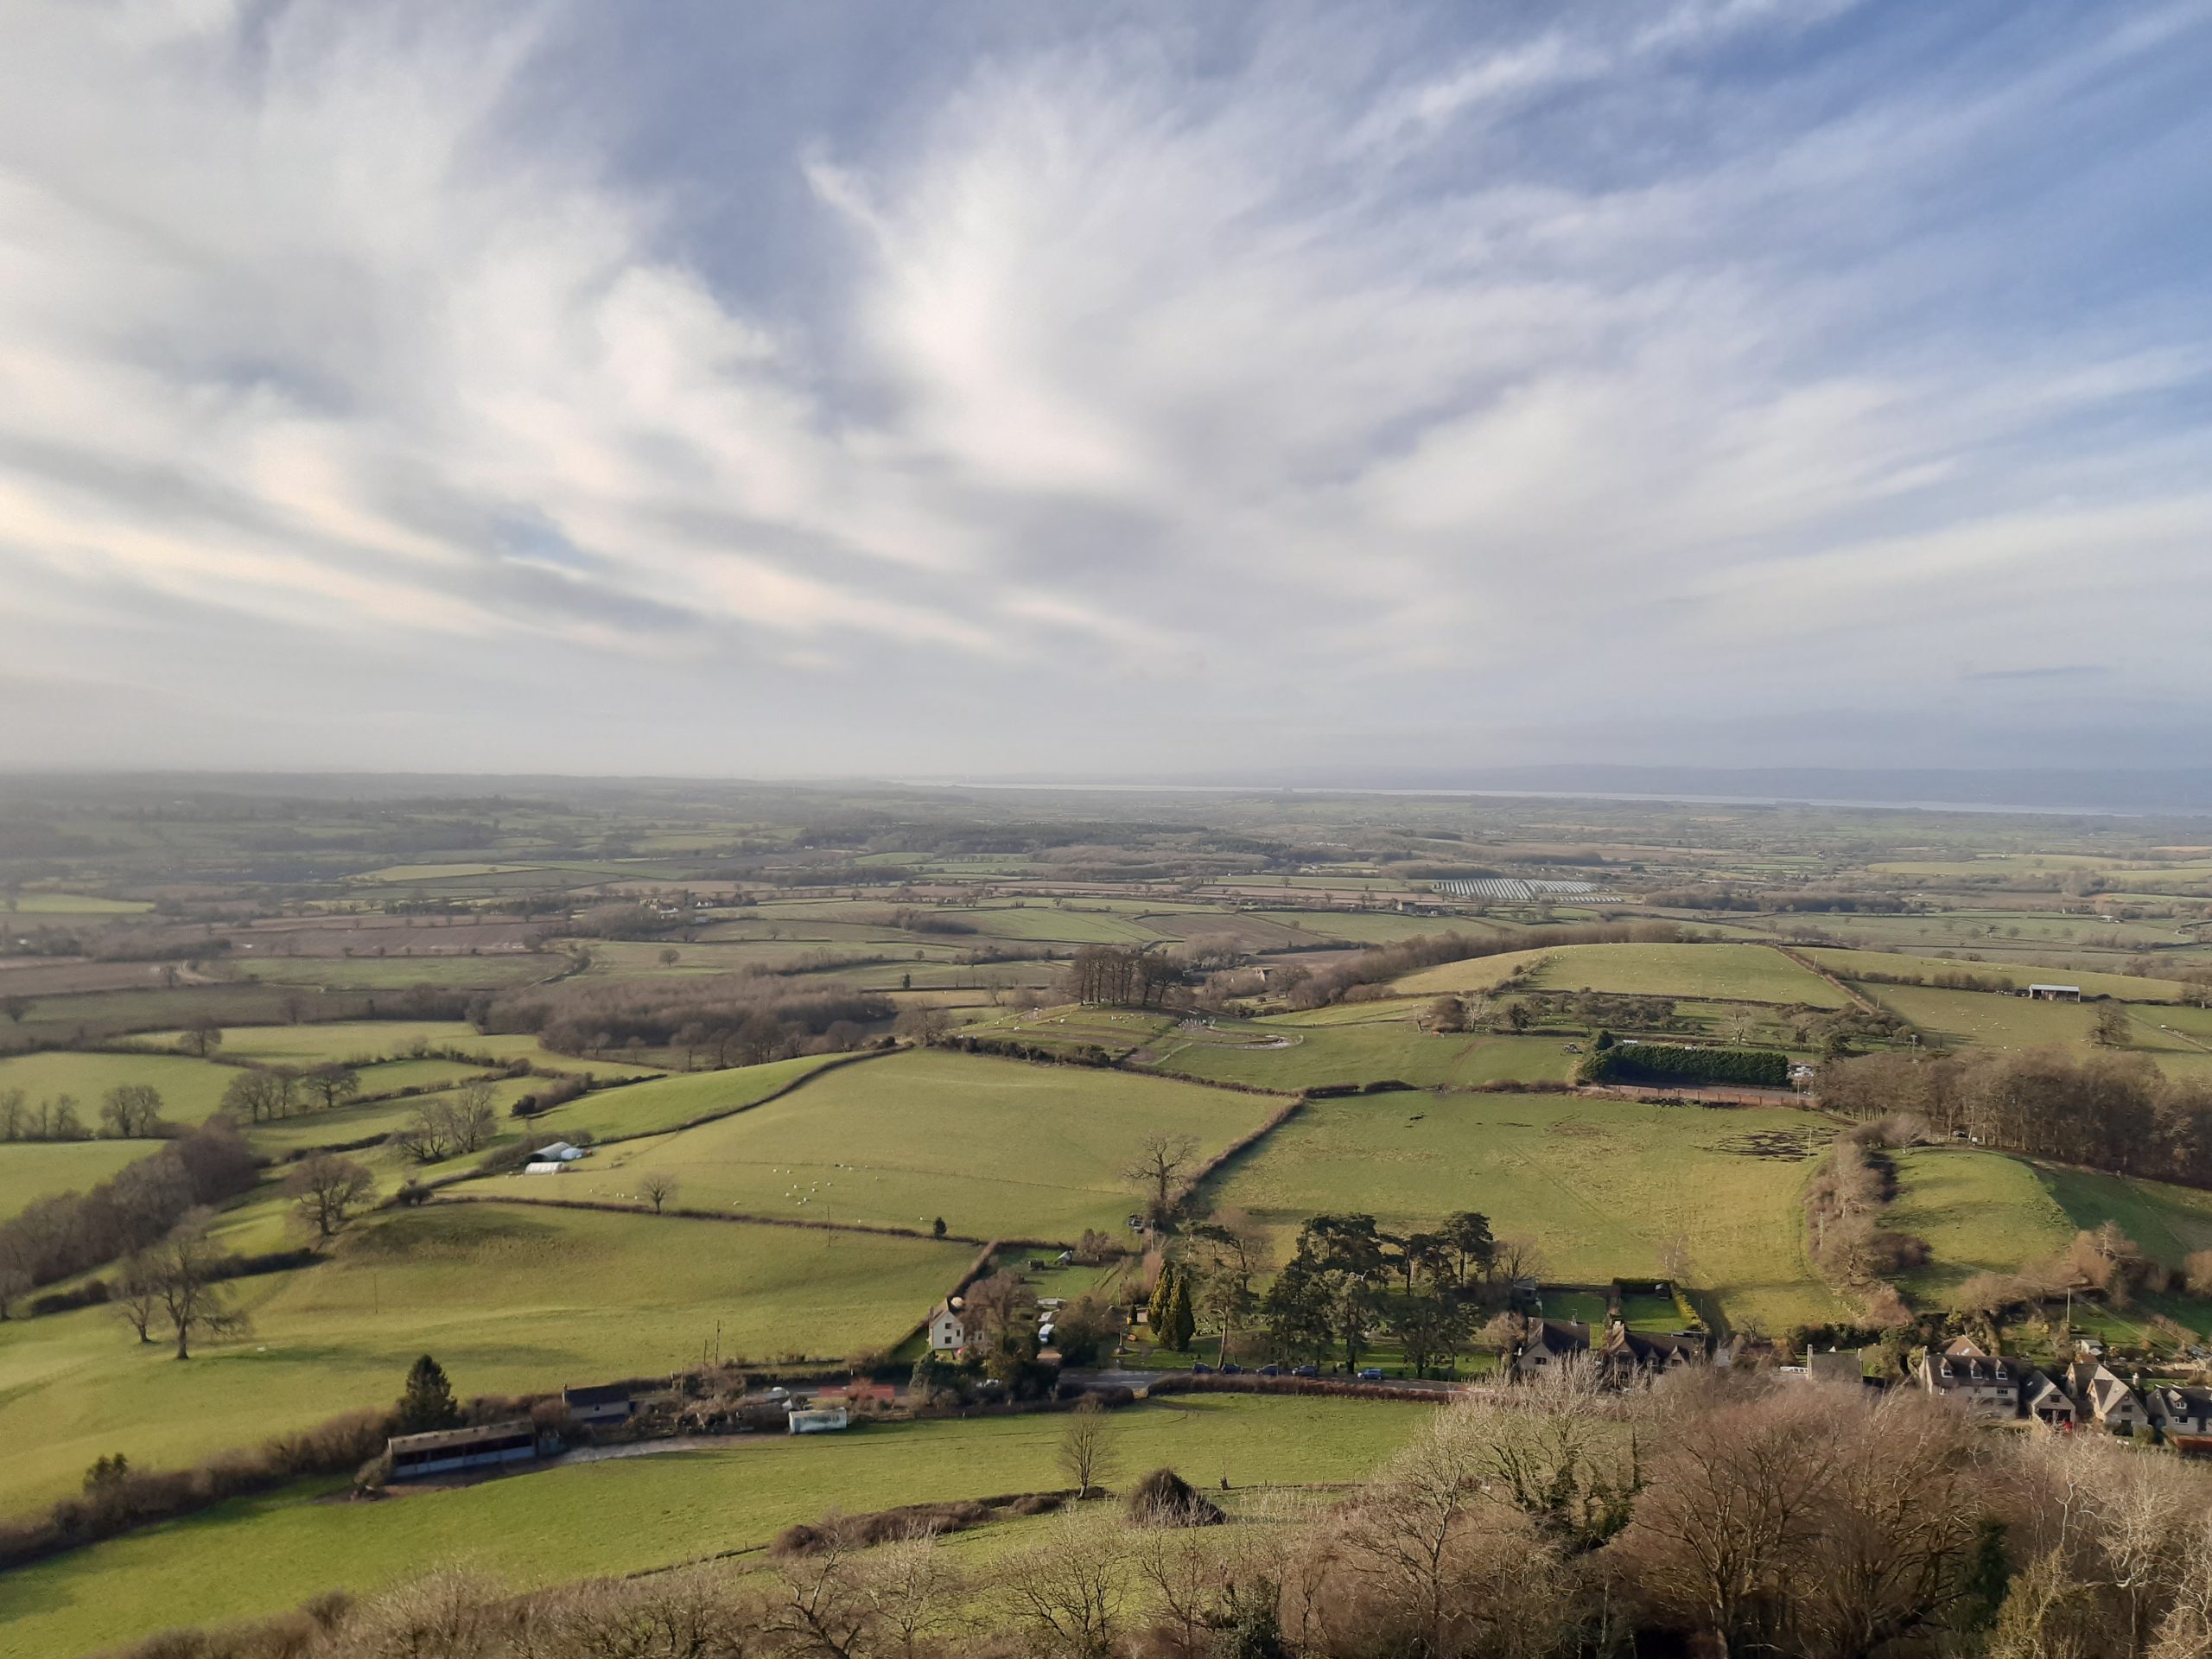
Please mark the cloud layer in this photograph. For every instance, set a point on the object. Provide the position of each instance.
(945, 390)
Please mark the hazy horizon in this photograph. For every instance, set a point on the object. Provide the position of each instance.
(909, 389)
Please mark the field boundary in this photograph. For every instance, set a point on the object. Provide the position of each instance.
(777, 1093)
(677, 1212)
(1860, 998)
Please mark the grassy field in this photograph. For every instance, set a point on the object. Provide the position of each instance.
(260, 1556)
(30, 1171)
(661, 1104)
(508, 1298)
(191, 1089)
(394, 973)
(1379, 1047)
(1599, 1185)
(1980, 1212)
(1850, 964)
(997, 1148)
(1741, 973)
(356, 1042)
(1987, 1020)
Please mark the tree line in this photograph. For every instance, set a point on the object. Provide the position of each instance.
(739, 1020)
(2109, 1111)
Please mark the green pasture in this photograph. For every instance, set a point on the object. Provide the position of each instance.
(660, 1104)
(1731, 972)
(1272, 1056)
(1850, 964)
(1599, 1185)
(1373, 926)
(511, 1298)
(262, 1555)
(490, 972)
(1988, 1020)
(2021, 933)
(350, 1042)
(1980, 1212)
(998, 1148)
(1044, 925)
(191, 1089)
(390, 1077)
(31, 1170)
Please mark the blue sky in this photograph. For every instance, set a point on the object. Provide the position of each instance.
(1135, 389)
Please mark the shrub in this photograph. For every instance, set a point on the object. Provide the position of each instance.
(1755, 1068)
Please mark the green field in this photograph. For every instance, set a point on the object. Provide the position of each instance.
(75, 904)
(354, 1042)
(1988, 1020)
(394, 973)
(1599, 1185)
(1381, 1047)
(31, 1170)
(191, 1089)
(1850, 964)
(257, 1557)
(661, 1104)
(997, 1148)
(1738, 972)
(1980, 1212)
(509, 1298)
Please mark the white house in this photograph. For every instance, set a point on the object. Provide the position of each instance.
(947, 1335)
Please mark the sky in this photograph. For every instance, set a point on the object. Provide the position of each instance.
(821, 387)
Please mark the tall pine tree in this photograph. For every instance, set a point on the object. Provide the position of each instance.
(1163, 1299)
(427, 1402)
(1182, 1324)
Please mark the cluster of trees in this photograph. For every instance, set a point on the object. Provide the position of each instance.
(2110, 1111)
(734, 1019)
(129, 1111)
(452, 1125)
(133, 1210)
(1717, 1513)
(1386, 963)
(1756, 1068)
(1124, 978)
(1348, 1278)
(262, 1094)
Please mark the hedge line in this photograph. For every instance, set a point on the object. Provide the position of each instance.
(1757, 1068)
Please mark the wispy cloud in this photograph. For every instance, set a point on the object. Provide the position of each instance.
(1367, 371)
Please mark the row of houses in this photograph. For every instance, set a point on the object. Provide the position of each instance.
(1622, 1352)
(2087, 1391)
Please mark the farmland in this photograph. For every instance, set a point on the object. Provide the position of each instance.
(30, 1171)
(1600, 1186)
(997, 1148)
(191, 1089)
(1742, 973)
(630, 1515)
(510, 1298)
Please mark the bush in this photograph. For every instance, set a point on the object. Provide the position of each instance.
(1164, 1498)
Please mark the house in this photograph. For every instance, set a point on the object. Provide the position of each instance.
(2100, 1396)
(485, 1446)
(818, 1419)
(2046, 1402)
(1985, 1384)
(559, 1153)
(1548, 1343)
(2178, 1410)
(946, 1334)
(610, 1403)
(2055, 993)
(1628, 1352)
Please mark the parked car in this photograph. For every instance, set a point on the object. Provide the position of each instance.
(1232, 1370)
(1371, 1374)
(1270, 1370)
(1201, 1369)
(779, 1394)
(1306, 1371)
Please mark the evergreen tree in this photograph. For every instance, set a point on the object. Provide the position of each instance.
(427, 1402)
(1182, 1325)
(1163, 1297)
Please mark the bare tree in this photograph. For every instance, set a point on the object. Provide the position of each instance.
(131, 1111)
(913, 1587)
(1158, 1165)
(1067, 1596)
(1086, 1454)
(187, 1269)
(136, 1296)
(326, 1190)
(656, 1188)
(201, 1037)
(475, 1118)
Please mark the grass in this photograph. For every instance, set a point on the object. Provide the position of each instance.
(258, 1556)
(1599, 1185)
(393, 973)
(998, 1148)
(1987, 1020)
(76, 903)
(191, 1089)
(1849, 964)
(1390, 1046)
(352, 1042)
(1980, 1212)
(662, 1104)
(30, 1171)
(508, 1298)
(1738, 972)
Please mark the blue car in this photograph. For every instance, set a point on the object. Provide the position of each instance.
(1371, 1374)
(1306, 1371)
(1232, 1370)
(1201, 1369)
(1270, 1370)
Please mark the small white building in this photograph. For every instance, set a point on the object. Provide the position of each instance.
(543, 1166)
(2055, 993)
(559, 1153)
(819, 1419)
(946, 1333)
